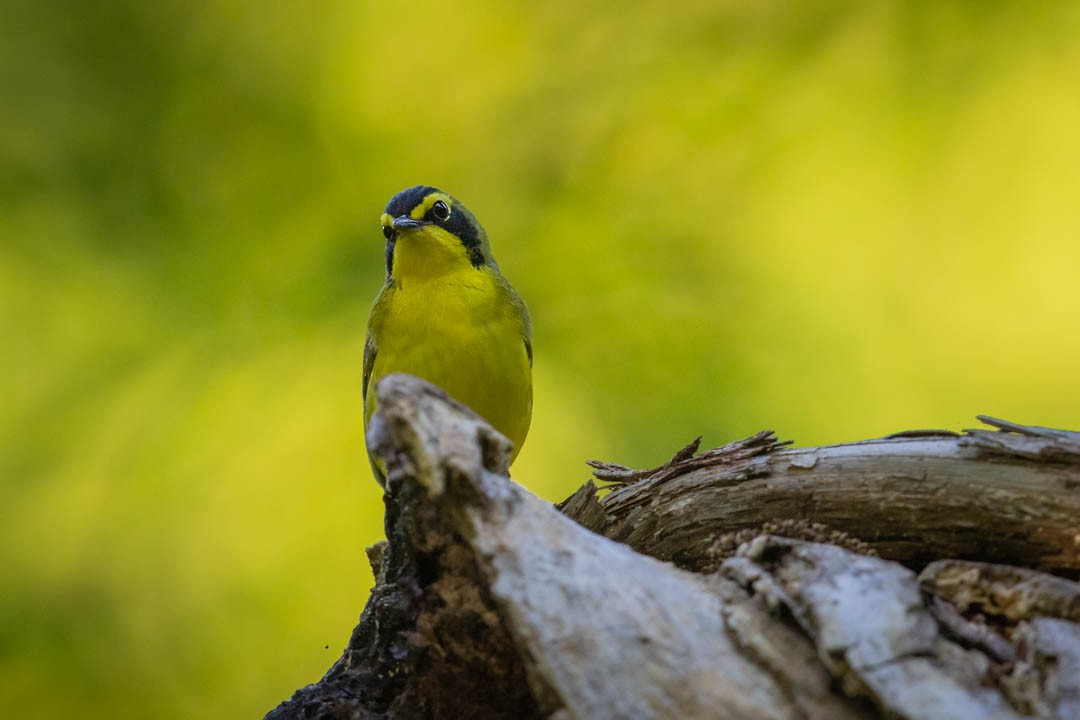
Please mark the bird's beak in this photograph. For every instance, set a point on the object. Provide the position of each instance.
(404, 222)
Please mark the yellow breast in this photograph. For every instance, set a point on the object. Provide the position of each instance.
(464, 331)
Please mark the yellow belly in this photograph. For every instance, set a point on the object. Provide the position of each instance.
(466, 340)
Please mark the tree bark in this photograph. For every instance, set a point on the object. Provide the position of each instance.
(751, 581)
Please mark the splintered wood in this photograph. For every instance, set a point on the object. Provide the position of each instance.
(748, 582)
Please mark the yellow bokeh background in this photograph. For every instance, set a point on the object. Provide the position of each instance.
(834, 219)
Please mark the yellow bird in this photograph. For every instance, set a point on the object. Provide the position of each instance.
(446, 314)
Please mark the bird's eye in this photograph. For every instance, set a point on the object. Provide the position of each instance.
(440, 210)
(387, 231)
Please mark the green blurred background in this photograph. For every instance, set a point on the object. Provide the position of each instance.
(835, 219)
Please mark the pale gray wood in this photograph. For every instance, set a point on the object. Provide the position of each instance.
(871, 629)
(1042, 613)
(609, 632)
(482, 584)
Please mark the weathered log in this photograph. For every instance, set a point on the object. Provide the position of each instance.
(1008, 497)
(491, 603)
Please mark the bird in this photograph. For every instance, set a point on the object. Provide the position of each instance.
(448, 315)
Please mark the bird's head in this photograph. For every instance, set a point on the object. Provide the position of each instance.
(429, 232)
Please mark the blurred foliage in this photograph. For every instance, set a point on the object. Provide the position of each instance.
(835, 219)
